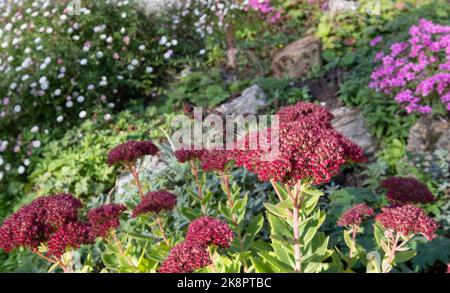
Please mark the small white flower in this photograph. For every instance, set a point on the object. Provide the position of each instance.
(69, 104)
(82, 114)
(174, 42)
(8, 167)
(80, 99)
(99, 54)
(107, 117)
(36, 144)
(134, 62)
(83, 61)
(202, 52)
(1, 161)
(21, 170)
(17, 108)
(26, 162)
(35, 129)
(57, 92)
(141, 47)
(149, 69)
(1, 176)
(60, 118)
(91, 87)
(163, 40)
(109, 40)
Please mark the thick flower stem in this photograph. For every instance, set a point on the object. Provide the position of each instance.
(226, 183)
(297, 251)
(161, 228)
(135, 175)
(53, 261)
(194, 171)
(120, 248)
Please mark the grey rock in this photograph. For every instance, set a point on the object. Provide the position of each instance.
(251, 100)
(428, 135)
(297, 59)
(351, 123)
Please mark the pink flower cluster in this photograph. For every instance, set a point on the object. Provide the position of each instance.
(416, 72)
(209, 231)
(265, 8)
(192, 254)
(210, 160)
(355, 215)
(407, 220)
(155, 202)
(50, 219)
(105, 218)
(186, 257)
(73, 235)
(309, 148)
(402, 190)
(131, 151)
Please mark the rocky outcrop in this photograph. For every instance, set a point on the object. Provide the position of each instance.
(351, 123)
(251, 100)
(297, 58)
(428, 135)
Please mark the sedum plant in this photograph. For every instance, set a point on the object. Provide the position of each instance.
(311, 152)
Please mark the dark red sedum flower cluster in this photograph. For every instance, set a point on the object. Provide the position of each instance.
(184, 156)
(130, 151)
(155, 202)
(51, 219)
(73, 235)
(186, 257)
(313, 113)
(210, 160)
(401, 190)
(309, 148)
(209, 231)
(355, 215)
(192, 254)
(105, 218)
(407, 220)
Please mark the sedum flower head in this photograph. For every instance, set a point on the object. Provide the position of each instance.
(184, 156)
(155, 202)
(35, 223)
(407, 220)
(355, 215)
(310, 112)
(131, 151)
(216, 160)
(186, 257)
(209, 231)
(71, 235)
(105, 218)
(401, 190)
(307, 150)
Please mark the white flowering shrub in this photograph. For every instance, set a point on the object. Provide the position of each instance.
(62, 63)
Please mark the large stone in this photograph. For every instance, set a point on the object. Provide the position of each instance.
(428, 135)
(251, 100)
(297, 58)
(351, 123)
